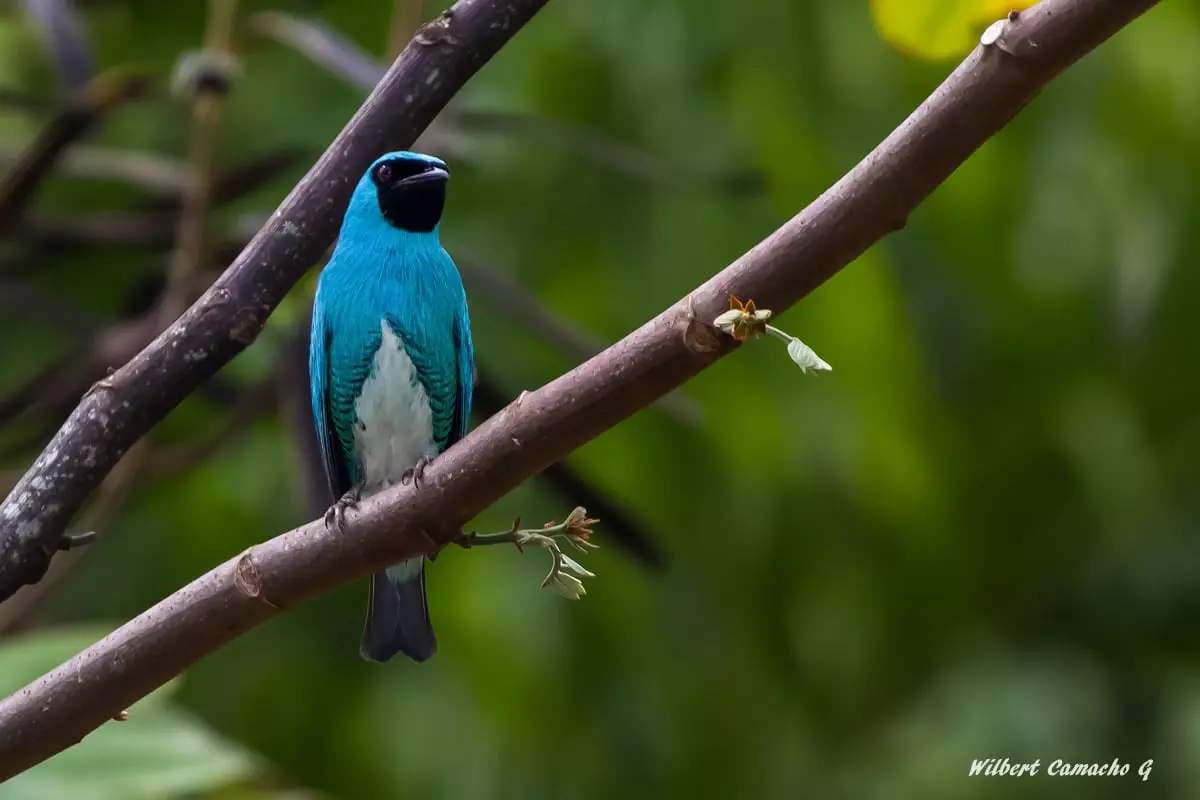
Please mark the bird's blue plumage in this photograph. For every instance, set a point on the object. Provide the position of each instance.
(391, 365)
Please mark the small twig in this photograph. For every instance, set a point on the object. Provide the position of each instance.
(99, 96)
(566, 574)
(73, 541)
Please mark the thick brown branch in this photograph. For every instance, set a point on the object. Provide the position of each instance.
(991, 85)
(440, 59)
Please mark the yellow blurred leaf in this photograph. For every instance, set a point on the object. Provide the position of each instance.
(938, 29)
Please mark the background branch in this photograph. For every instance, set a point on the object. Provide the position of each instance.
(443, 55)
(875, 197)
(99, 96)
(187, 258)
(64, 38)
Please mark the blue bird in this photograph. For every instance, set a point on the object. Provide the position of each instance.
(391, 368)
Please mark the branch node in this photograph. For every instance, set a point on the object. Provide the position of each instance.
(1000, 35)
(105, 384)
(247, 325)
(698, 337)
(248, 579)
(436, 31)
(204, 72)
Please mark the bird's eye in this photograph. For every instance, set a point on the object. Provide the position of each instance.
(383, 173)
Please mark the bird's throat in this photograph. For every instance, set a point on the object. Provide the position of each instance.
(416, 208)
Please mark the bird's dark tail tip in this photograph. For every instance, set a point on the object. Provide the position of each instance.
(398, 615)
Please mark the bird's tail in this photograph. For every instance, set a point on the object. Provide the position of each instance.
(397, 615)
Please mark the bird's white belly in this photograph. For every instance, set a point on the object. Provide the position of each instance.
(395, 421)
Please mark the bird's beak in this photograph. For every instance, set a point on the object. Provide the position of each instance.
(429, 175)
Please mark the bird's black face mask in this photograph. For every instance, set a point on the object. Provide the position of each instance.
(412, 193)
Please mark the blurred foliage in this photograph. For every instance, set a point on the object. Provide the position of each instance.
(977, 538)
(939, 29)
(160, 752)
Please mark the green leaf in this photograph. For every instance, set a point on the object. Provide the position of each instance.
(806, 358)
(158, 752)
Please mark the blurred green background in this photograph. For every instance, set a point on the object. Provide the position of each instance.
(977, 537)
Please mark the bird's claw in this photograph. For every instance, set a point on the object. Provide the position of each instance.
(336, 515)
(415, 474)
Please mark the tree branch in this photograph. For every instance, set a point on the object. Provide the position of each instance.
(442, 56)
(540, 427)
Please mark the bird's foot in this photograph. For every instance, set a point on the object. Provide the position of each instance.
(415, 474)
(336, 515)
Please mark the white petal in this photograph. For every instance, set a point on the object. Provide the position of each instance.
(993, 32)
(727, 320)
(567, 585)
(805, 358)
(574, 566)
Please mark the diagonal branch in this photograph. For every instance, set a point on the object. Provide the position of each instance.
(875, 197)
(122, 408)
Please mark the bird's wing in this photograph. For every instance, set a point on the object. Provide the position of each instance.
(465, 356)
(318, 376)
